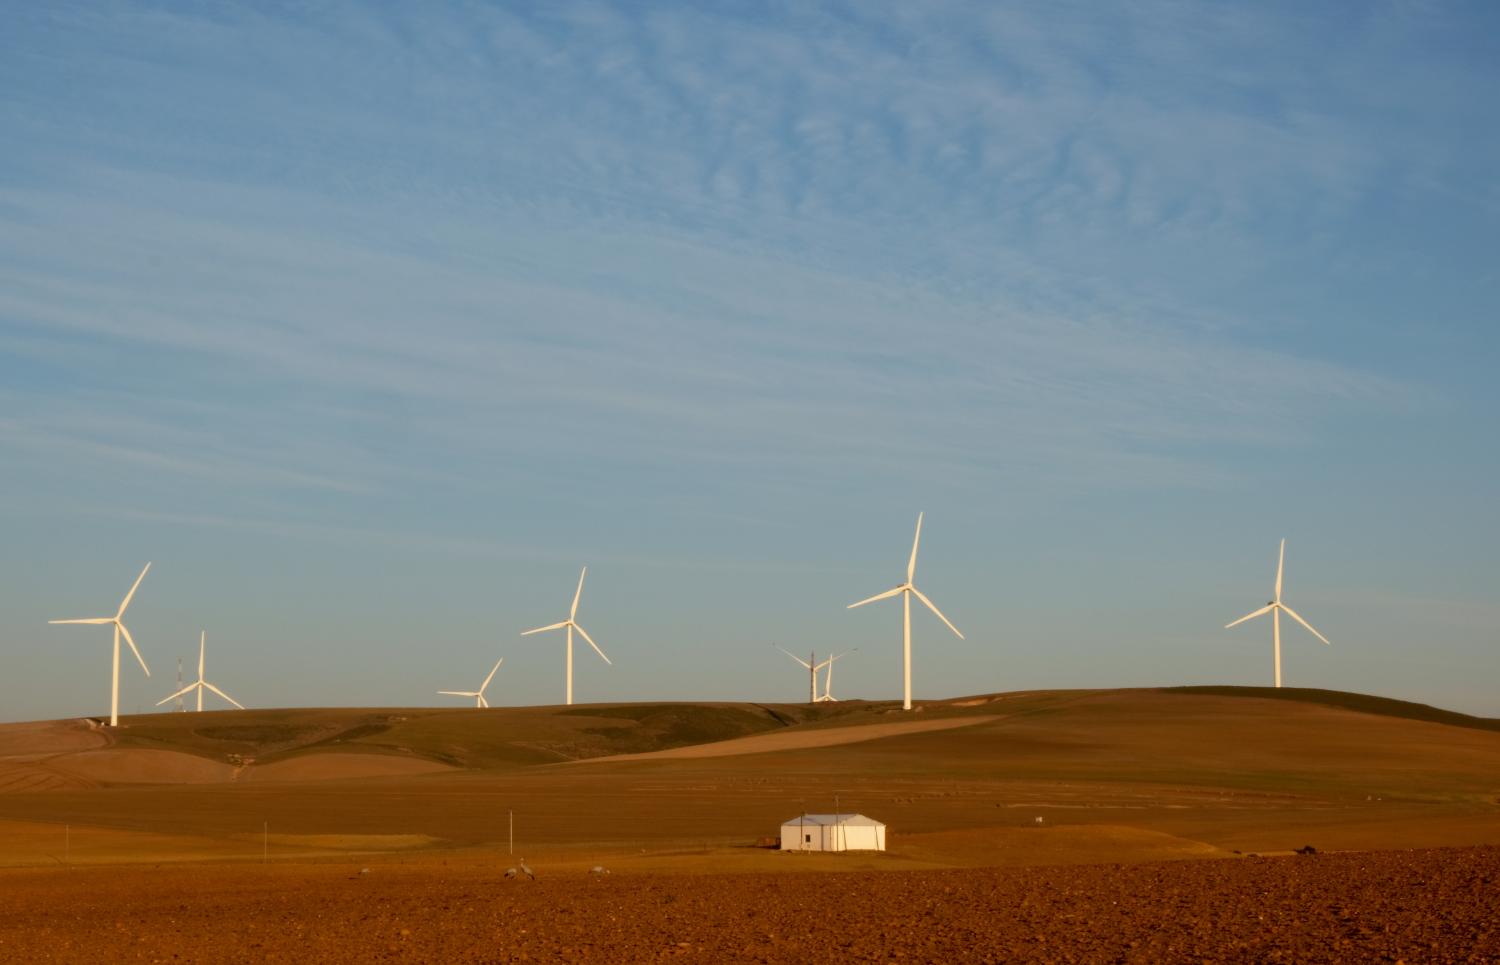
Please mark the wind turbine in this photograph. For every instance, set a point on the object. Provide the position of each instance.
(906, 590)
(114, 692)
(812, 671)
(478, 695)
(201, 683)
(828, 696)
(571, 624)
(1275, 608)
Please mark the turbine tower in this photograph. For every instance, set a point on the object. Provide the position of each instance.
(114, 689)
(478, 695)
(812, 671)
(571, 624)
(1275, 608)
(200, 683)
(828, 696)
(906, 590)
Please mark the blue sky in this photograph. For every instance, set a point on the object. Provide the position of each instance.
(369, 324)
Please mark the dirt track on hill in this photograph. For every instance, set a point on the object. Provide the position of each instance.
(1417, 906)
(798, 740)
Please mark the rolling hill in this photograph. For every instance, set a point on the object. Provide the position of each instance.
(1112, 774)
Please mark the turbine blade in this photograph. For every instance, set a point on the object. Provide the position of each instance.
(931, 606)
(126, 602)
(1251, 616)
(492, 675)
(578, 593)
(911, 566)
(1293, 614)
(804, 663)
(202, 643)
(482, 701)
(1280, 565)
(133, 649)
(459, 693)
(550, 626)
(879, 596)
(179, 693)
(593, 644)
(224, 695)
(89, 620)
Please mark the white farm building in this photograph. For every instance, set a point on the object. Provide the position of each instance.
(832, 832)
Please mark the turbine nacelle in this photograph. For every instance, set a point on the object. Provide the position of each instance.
(906, 591)
(571, 624)
(812, 665)
(201, 683)
(478, 695)
(120, 630)
(828, 696)
(1275, 607)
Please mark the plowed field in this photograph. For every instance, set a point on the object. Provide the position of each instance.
(1417, 906)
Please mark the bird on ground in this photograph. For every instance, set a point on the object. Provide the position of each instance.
(526, 870)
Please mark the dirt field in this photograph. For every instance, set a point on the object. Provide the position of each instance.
(146, 843)
(1419, 906)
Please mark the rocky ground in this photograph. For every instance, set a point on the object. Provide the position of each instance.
(1416, 906)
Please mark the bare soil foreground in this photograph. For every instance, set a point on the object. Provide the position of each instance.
(1414, 906)
(1040, 826)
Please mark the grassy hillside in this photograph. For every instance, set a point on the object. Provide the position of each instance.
(1364, 703)
(510, 737)
(501, 737)
(1241, 769)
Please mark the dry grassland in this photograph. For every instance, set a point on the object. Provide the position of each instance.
(254, 826)
(1114, 775)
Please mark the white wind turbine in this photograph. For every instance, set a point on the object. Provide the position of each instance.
(828, 696)
(114, 692)
(812, 668)
(571, 624)
(478, 695)
(1275, 607)
(201, 682)
(906, 590)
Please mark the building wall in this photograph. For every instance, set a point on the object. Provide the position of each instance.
(790, 842)
(859, 839)
(821, 838)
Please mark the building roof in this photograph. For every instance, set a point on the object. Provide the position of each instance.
(831, 820)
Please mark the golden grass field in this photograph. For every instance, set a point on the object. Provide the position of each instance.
(1116, 776)
(1169, 819)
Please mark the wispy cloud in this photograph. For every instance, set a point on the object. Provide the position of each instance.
(647, 342)
(364, 272)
